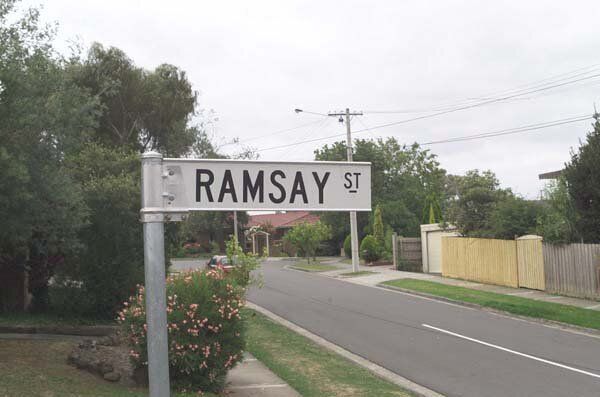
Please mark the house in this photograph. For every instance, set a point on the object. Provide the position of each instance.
(267, 230)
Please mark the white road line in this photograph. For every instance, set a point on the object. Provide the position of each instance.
(513, 351)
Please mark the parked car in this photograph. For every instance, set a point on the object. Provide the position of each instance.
(220, 261)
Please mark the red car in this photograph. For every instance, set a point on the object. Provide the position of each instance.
(220, 261)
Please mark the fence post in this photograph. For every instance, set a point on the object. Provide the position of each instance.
(395, 250)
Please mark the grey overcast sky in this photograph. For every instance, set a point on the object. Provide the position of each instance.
(253, 62)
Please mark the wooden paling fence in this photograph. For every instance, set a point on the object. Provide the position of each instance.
(570, 269)
(573, 269)
(409, 253)
(480, 259)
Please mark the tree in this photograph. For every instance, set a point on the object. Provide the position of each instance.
(558, 218)
(142, 110)
(432, 211)
(43, 115)
(306, 237)
(378, 232)
(472, 199)
(401, 178)
(583, 182)
(514, 216)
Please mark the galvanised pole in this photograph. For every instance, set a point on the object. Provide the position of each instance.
(154, 270)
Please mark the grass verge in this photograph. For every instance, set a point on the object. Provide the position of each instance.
(313, 267)
(39, 368)
(47, 319)
(310, 369)
(357, 274)
(349, 261)
(511, 304)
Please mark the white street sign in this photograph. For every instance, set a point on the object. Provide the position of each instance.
(192, 185)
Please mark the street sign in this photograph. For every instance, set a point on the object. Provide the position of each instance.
(173, 187)
(226, 185)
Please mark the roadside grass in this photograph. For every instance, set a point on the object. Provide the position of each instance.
(358, 274)
(311, 370)
(313, 267)
(47, 319)
(511, 304)
(39, 368)
(349, 261)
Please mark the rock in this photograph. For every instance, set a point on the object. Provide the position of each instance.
(112, 376)
(105, 367)
(73, 358)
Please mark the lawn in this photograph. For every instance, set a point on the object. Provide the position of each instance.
(313, 267)
(39, 368)
(349, 261)
(511, 304)
(310, 369)
(358, 274)
(47, 319)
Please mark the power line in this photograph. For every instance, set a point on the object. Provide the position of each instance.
(536, 84)
(439, 113)
(277, 132)
(510, 131)
(479, 136)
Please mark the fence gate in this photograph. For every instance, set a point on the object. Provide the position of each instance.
(530, 260)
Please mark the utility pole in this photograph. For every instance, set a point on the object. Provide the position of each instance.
(353, 224)
(353, 227)
(235, 226)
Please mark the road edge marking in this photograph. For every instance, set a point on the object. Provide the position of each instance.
(515, 352)
(376, 369)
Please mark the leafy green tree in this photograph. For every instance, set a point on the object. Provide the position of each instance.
(401, 177)
(472, 200)
(514, 216)
(583, 182)
(111, 260)
(306, 237)
(43, 115)
(558, 219)
(142, 109)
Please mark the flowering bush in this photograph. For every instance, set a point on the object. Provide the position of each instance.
(206, 331)
(193, 249)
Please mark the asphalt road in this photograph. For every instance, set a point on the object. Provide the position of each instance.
(454, 350)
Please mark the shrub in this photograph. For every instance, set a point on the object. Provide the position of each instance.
(192, 249)
(206, 331)
(370, 250)
(348, 246)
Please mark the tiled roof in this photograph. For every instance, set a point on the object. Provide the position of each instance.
(282, 220)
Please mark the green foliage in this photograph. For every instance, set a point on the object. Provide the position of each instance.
(558, 219)
(42, 116)
(583, 181)
(244, 263)
(348, 246)
(142, 109)
(401, 178)
(432, 212)
(472, 200)
(306, 237)
(111, 259)
(206, 330)
(370, 250)
(378, 226)
(514, 216)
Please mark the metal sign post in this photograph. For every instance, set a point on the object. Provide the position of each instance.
(173, 187)
(154, 270)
